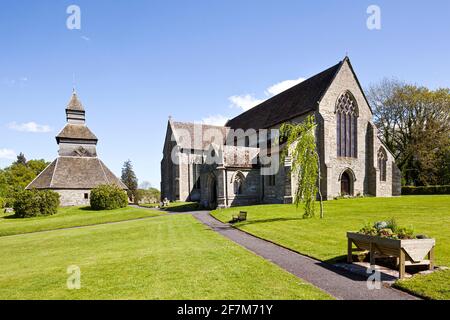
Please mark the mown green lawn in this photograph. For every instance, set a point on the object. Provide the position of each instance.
(433, 286)
(326, 239)
(69, 217)
(166, 257)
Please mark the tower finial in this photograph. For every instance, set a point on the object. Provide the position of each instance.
(74, 91)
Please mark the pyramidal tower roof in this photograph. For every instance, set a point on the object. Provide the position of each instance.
(75, 103)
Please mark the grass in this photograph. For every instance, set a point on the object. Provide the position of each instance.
(326, 239)
(167, 257)
(433, 286)
(69, 217)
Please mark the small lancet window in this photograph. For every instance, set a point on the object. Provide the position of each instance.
(382, 163)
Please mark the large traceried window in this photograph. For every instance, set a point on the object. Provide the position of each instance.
(347, 126)
(382, 162)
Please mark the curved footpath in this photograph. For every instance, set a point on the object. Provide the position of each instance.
(339, 283)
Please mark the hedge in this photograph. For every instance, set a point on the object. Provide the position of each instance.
(426, 190)
(32, 203)
(108, 197)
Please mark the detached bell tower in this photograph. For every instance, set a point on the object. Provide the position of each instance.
(77, 170)
(76, 139)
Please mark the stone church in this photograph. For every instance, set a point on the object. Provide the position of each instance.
(353, 160)
(77, 170)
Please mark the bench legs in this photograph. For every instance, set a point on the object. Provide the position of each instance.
(372, 255)
(349, 251)
(401, 264)
(431, 258)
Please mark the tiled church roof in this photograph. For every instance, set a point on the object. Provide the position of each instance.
(184, 134)
(298, 100)
(75, 173)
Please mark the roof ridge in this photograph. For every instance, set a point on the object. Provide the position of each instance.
(287, 91)
(104, 173)
(199, 124)
(54, 170)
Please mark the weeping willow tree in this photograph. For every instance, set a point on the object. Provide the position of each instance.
(302, 148)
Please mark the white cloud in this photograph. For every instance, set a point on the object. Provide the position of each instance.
(282, 86)
(12, 82)
(216, 120)
(85, 38)
(7, 154)
(244, 102)
(248, 101)
(29, 127)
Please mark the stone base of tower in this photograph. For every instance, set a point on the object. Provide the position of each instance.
(74, 197)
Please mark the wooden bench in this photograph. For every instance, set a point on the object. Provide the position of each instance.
(242, 216)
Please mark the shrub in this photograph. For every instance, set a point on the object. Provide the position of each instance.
(108, 197)
(2, 203)
(426, 190)
(32, 203)
(49, 202)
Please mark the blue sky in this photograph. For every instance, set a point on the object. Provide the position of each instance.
(137, 62)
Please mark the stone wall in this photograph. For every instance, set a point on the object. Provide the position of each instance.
(74, 197)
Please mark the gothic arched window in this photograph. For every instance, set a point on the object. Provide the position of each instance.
(347, 126)
(238, 183)
(382, 161)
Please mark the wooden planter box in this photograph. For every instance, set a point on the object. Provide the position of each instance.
(408, 252)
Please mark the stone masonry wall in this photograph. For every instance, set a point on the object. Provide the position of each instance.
(73, 197)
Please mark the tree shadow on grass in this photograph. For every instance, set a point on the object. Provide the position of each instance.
(249, 222)
(184, 208)
(11, 216)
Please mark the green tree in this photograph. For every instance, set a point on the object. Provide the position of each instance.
(21, 159)
(3, 184)
(414, 122)
(17, 176)
(129, 179)
(37, 166)
(301, 147)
